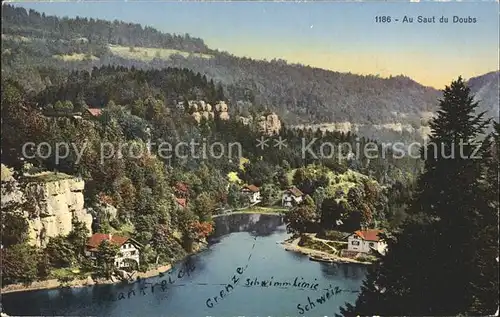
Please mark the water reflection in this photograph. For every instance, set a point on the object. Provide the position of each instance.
(257, 224)
(187, 297)
(350, 272)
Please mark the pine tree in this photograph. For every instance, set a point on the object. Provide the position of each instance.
(432, 264)
(485, 284)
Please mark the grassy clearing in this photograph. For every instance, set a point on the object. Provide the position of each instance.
(46, 177)
(338, 182)
(308, 242)
(75, 57)
(126, 229)
(68, 274)
(366, 258)
(337, 245)
(333, 235)
(149, 53)
(264, 210)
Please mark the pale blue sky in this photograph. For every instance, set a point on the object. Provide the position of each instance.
(340, 36)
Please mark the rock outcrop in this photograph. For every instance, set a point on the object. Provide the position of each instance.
(222, 110)
(200, 109)
(48, 203)
(269, 124)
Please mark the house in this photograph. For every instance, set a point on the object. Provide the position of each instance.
(366, 241)
(181, 202)
(93, 112)
(252, 192)
(291, 197)
(181, 190)
(129, 248)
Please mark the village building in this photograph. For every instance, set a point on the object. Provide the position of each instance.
(252, 192)
(292, 197)
(366, 241)
(181, 190)
(94, 112)
(181, 202)
(129, 248)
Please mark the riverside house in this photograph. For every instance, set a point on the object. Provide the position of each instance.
(292, 197)
(129, 248)
(366, 241)
(252, 192)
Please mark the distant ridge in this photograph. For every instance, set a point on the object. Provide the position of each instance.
(32, 42)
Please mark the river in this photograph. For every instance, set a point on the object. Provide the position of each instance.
(224, 280)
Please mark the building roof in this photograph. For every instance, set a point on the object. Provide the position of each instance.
(95, 111)
(251, 188)
(181, 201)
(369, 235)
(95, 240)
(295, 191)
(182, 187)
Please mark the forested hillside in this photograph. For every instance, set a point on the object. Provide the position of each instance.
(486, 91)
(33, 42)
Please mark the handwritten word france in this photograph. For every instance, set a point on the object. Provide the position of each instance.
(150, 288)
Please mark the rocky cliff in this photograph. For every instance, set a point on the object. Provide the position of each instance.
(269, 124)
(200, 109)
(48, 201)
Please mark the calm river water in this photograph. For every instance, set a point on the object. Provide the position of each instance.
(243, 273)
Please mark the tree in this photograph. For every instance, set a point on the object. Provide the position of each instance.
(434, 265)
(203, 206)
(256, 172)
(19, 263)
(270, 193)
(485, 284)
(235, 198)
(78, 237)
(331, 211)
(105, 257)
(14, 226)
(68, 106)
(195, 231)
(165, 245)
(60, 252)
(301, 218)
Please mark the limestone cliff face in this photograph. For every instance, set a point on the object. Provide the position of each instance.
(270, 124)
(200, 109)
(49, 206)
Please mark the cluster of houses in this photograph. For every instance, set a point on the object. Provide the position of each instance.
(290, 198)
(361, 241)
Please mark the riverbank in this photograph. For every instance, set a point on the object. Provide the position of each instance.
(319, 256)
(76, 283)
(278, 211)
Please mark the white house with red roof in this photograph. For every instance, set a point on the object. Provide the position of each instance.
(292, 197)
(129, 248)
(366, 241)
(252, 192)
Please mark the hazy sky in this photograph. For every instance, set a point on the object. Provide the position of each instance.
(340, 36)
